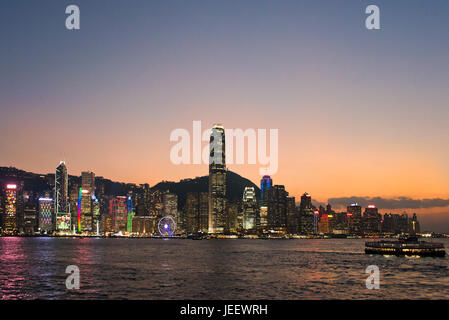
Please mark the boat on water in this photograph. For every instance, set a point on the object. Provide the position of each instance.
(405, 246)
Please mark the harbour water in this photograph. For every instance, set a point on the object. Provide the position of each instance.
(131, 268)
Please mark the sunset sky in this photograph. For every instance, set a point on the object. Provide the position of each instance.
(359, 112)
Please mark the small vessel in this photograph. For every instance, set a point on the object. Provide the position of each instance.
(406, 246)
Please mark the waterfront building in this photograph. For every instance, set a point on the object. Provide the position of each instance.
(87, 196)
(129, 213)
(354, 217)
(61, 195)
(118, 211)
(250, 208)
(307, 216)
(30, 215)
(292, 216)
(143, 200)
(265, 184)
(144, 225)
(12, 208)
(197, 212)
(170, 207)
(232, 210)
(217, 181)
(156, 204)
(371, 220)
(277, 208)
(46, 214)
(414, 225)
(263, 224)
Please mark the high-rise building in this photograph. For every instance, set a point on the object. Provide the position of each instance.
(217, 180)
(292, 216)
(12, 207)
(250, 208)
(371, 220)
(87, 196)
(143, 200)
(232, 210)
(397, 223)
(46, 215)
(307, 216)
(30, 216)
(354, 218)
(156, 204)
(263, 213)
(414, 225)
(170, 202)
(130, 213)
(265, 184)
(61, 189)
(197, 212)
(61, 217)
(277, 207)
(118, 211)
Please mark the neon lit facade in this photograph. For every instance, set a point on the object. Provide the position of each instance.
(46, 214)
(130, 214)
(118, 210)
(10, 220)
(265, 184)
(79, 209)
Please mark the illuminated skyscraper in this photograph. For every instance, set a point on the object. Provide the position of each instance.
(170, 201)
(307, 217)
(61, 189)
(118, 211)
(217, 181)
(87, 195)
(265, 184)
(276, 198)
(250, 208)
(292, 216)
(11, 208)
(197, 212)
(371, 220)
(354, 216)
(414, 225)
(61, 198)
(46, 210)
(129, 213)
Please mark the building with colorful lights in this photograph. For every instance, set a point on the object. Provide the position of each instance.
(118, 212)
(12, 215)
(46, 210)
(265, 184)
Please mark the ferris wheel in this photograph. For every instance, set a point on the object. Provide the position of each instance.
(167, 226)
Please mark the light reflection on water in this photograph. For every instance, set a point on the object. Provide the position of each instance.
(212, 269)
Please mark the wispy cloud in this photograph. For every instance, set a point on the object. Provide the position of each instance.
(390, 203)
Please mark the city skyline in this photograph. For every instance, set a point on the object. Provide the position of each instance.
(360, 114)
